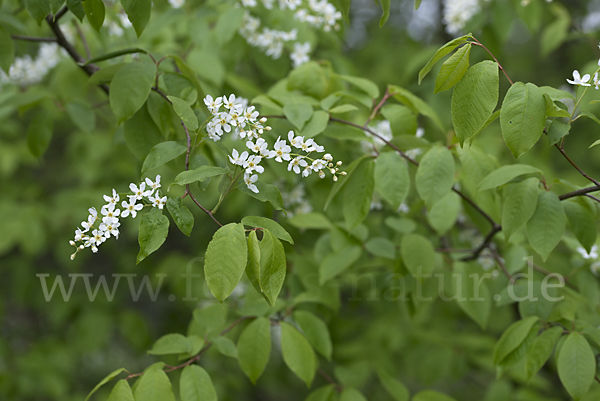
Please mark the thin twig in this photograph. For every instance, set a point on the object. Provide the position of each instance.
(478, 43)
(324, 375)
(376, 109)
(496, 228)
(502, 266)
(33, 39)
(579, 192)
(84, 41)
(562, 151)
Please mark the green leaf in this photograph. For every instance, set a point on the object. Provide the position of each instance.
(394, 388)
(403, 120)
(181, 215)
(317, 124)
(39, 134)
(382, 247)
(154, 385)
(367, 86)
(185, 112)
(322, 393)
(473, 295)
(385, 5)
(154, 228)
(336, 262)
(504, 174)
(225, 260)
(120, 392)
(474, 99)
(228, 24)
(541, 349)
(519, 205)
(435, 175)
(141, 133)
(272, 266)
(171, 344)
(556, 94)
(590, 115)
(547, 225)
(337, 187)
(253, 266)
(343, 108)
(254, 347)
(444, 213)
(138, 12)
(582, 223)
(274, 227)
(298, 113)
(594, 144)
(576, 365)
(76, 7)
(392, 181)
(352, 394)
(453, 69)
(130, 88)
(358, 194)
(266, 193)
(431, 395)
(316, 331)
(225, 346)
(108, 378)
(312, 220)
(557, 131)
(162, 153)
(7, 50)
(95, 13)
(441, 53)
(554, 34)
(416, 104)
(512, 337)
(195, 385)
(198, 175)
(297, 353)
(417, 254)
(38, 9)
(522, 117)
(82, 115)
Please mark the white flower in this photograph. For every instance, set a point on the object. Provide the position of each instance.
(222, 123)
(79, 235)
(250, 114)
(213, 105)
(296, 163)
(282, 150)
(157, 201)
(110, 227)
(131, 208)
(97, 237)
(318, 164)
(109, 210)
(152, 186)
(596, 81)
(138, 192)
(593, 252)
(252, 164)
(237, 116)
(259, 147)
(176, 3)
(229, 103)
(300, 54)
(249, 3)
(112, 199)
(250, 180)
(295, 141)
(328, 158)
(578, 80)
(237, 159)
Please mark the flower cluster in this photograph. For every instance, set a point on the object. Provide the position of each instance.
(318, 14)
(457, 13)
(27, 70)
(268, 40)
(298, 163)
(98, 228)
(235, 117)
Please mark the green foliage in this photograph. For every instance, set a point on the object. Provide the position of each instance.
(297, 353)
(254, 347)
(576, 365)
(154, 228)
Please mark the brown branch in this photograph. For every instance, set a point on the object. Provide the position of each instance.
(376, 109)
(579, 192)
(33, 39)
(478, 43)
(89, 69)
(562, 151)
(496, 228)
(202, 351)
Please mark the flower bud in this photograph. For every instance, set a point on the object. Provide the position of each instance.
(72, 243)
(73, 256)
(267, 128)
(321, 174)
(335, 178)
(81, 247)
(263, 120)
(343, 173)
(339, 163)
